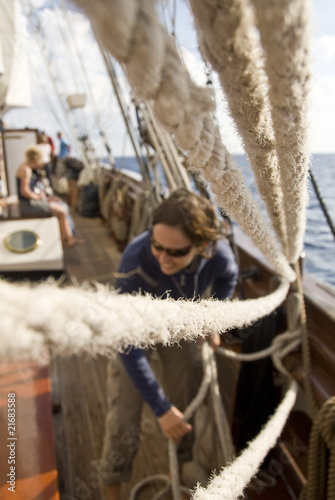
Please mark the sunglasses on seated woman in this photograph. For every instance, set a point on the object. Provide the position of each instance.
(178, 252)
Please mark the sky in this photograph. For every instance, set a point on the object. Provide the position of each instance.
(102, 112)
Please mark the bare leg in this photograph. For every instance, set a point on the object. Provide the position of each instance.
(112, 492)
(60, 212)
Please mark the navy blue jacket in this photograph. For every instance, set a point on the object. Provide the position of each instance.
(144, 276)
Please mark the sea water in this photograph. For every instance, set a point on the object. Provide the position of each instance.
(319, 242)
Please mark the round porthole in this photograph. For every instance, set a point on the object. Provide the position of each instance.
(22, 241)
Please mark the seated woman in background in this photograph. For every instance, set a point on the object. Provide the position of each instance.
(34, 201)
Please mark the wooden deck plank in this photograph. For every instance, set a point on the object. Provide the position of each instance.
(97, 258)
(27, 456)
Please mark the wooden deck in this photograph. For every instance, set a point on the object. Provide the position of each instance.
(79, 389)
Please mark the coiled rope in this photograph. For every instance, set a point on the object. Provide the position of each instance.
(321, 479)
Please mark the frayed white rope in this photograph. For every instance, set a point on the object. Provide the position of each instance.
(285, 34)
(224, 433)
(229, 41)
(209, 381)
(188, 413)
(81, 320)
(233, 480)
(277, 344)
(155, 72)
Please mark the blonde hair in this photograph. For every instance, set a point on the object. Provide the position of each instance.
(33, 154)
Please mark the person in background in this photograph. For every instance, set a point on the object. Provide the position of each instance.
(3, 201)
(33, 199)
(64, 147)
(52, 145)
(46, 150)
(183, 255)
(63, 153)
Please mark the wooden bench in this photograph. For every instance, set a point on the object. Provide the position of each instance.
(12, 212)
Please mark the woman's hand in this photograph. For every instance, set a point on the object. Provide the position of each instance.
(53, 198)
(213, 340)
(173, 424)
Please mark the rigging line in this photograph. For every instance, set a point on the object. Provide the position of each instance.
(171, 15)
(322, 201)
(37, 29)
(79, 132)
(9, 17)
(123, 150)
(88, 86)
(43, 92)
(306, 352)
(113, 78)
(276, 345)
(232, 480)
(62, 122)
(72, 65)
(66, 43)
(55, 74)
(45, 95)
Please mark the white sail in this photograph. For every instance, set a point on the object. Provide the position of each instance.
(15, 88)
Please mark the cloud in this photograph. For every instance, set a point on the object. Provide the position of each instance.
(322, 113)
(79, 68)
(323, 54)
(47, 114)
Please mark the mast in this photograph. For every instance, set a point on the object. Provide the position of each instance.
(174, 172)
(80, 133)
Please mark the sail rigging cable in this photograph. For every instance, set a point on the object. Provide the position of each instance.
(234, 478)
(285, 34)
(95, 108)
(321, 480)
(100, 321)
(230, 43)
(156, 73)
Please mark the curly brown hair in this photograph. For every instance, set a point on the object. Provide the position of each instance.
(191, 213)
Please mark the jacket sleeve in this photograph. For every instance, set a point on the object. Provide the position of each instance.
(226, 275)
(140, 372)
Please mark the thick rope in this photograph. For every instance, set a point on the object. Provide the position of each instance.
(79, 320)
(321, 458)
(222, 425)
(155, 72)
(188, 413)
(229, 42)
(209, 380)
(306, 352)
(284, 29)
(233, 479)
(277, 344)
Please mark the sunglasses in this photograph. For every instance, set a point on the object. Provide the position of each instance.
(179, 252)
